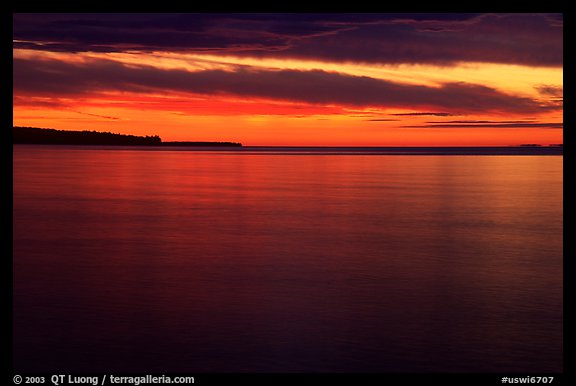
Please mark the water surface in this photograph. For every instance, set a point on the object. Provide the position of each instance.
(177, 261)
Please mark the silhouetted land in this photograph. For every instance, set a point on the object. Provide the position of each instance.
(33, 135)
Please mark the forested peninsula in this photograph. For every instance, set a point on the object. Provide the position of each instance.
(38, 136)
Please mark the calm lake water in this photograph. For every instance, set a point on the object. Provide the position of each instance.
(199, 261)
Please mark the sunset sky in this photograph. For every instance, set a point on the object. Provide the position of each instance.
(294, 79)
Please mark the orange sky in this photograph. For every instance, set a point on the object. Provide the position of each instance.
(266, 115)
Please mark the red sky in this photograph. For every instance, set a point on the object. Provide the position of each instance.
(294, 79)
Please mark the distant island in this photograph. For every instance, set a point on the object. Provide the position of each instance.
(38, 136)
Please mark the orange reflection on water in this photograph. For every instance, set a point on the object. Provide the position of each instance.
(223, 261)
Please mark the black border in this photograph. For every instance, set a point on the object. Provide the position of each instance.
(6, 205)
(569, 195)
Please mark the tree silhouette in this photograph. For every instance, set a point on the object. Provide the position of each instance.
(34, 135)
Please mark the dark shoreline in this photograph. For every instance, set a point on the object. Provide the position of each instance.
(40, 136)
(90, 139)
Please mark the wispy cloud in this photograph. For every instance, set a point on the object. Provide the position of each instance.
(480, 121)
(435, 114)
(40, 102)
(499, 125)
(97, 115)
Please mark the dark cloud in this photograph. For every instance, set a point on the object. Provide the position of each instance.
(443, 39)
(51, 77)
(514, 39)
(127, 32)
(549, 90)
(554, 94)
(166, 32)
